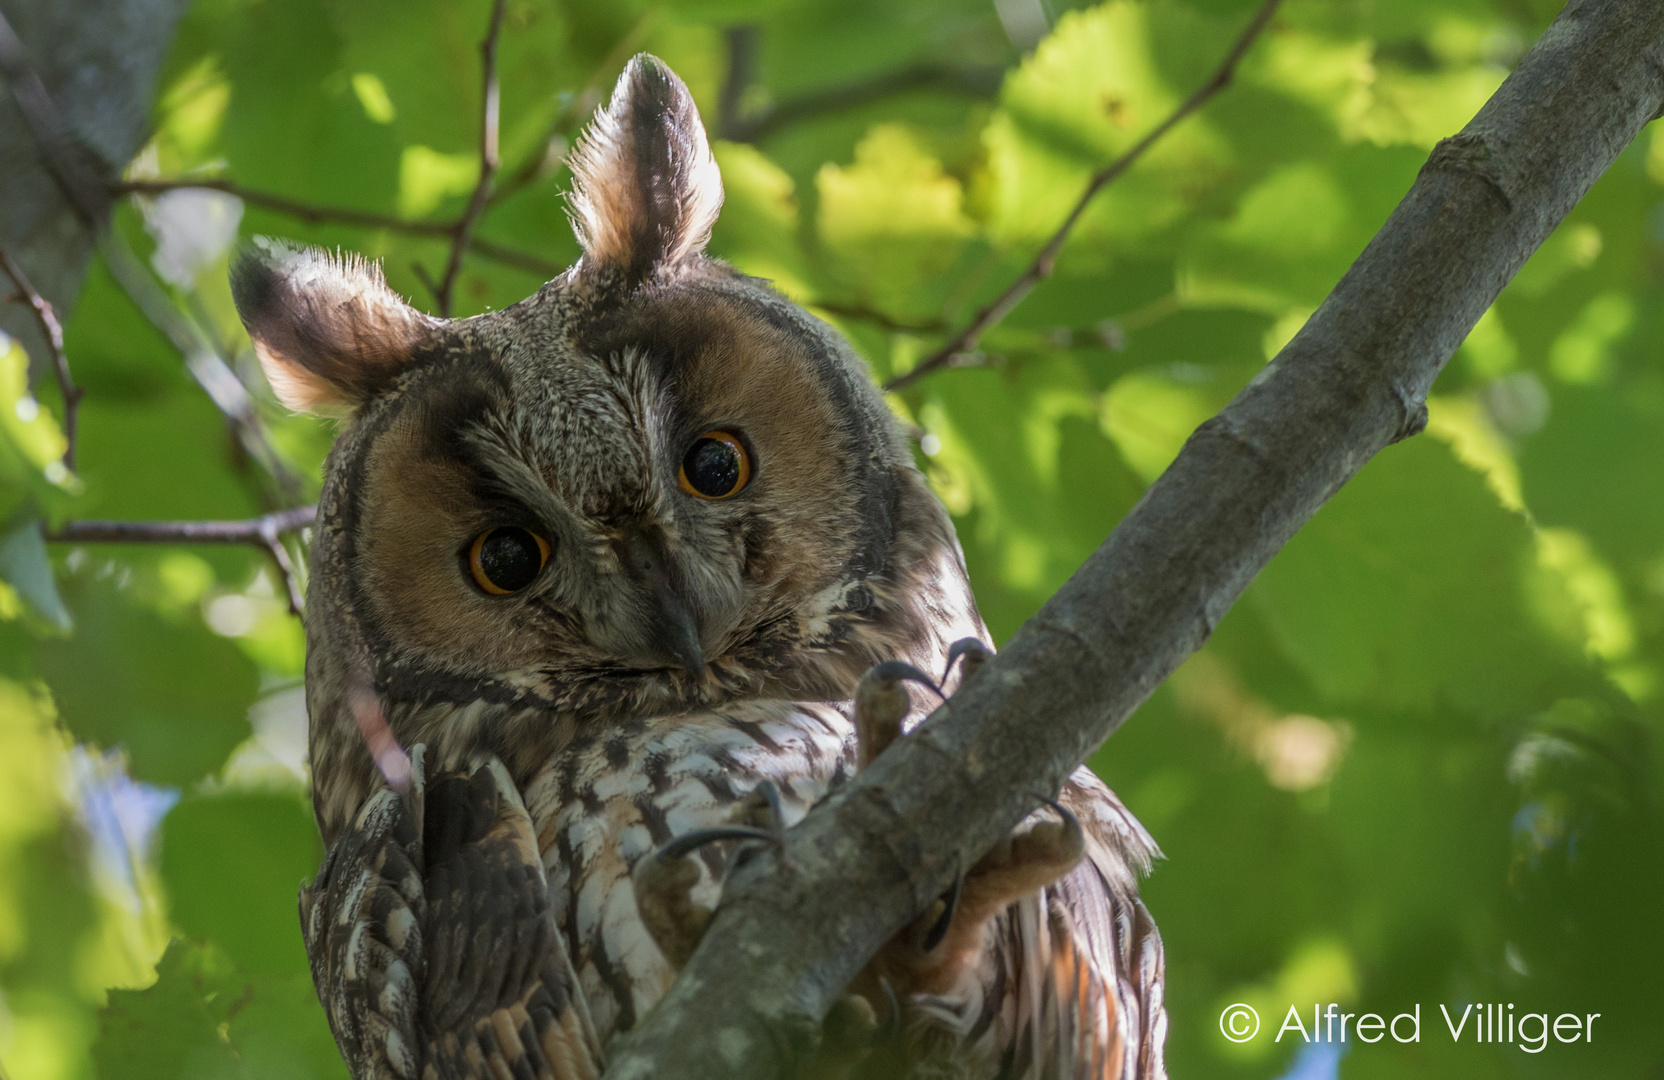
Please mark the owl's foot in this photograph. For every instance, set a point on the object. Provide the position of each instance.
(940, 946)
(431, 940)
(664, 880)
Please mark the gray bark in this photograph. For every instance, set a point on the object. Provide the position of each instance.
(98, 61)
(797, 925)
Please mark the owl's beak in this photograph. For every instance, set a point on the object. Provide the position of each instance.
(678, 634)
(674, 629)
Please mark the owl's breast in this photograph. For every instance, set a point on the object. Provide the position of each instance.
(619, 792)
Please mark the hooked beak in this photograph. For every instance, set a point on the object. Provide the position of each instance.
(674, 627)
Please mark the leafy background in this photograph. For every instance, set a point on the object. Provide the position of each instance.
(1415, 764)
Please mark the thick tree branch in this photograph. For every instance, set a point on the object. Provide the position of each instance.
(52, 330)
(265, 532)
(1041, 268)
(797, 924)
(489, 162)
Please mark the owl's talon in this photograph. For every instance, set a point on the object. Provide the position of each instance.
(664, 882)
(761, 809)
(950, 904)
(892, 1020)
(882, 704)
(970, 653)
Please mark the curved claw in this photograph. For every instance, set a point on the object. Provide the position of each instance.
(974, 654)
(894, 671)
(882, 705)
(950, 904)
(1071, 823)
(690, 842)
(771, 795)
(664, 881)
(892, 1022)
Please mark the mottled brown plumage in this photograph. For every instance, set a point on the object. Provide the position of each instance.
(672, 651)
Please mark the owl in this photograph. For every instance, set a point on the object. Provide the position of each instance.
(640, 569)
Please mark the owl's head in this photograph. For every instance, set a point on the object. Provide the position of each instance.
(655, 483)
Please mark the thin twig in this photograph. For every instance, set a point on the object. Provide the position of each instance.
(53, 332)
(578, 109)
(489, 161)
(878, 318)
(1041, 268)
(975, 82)
(265, 532)
(339, 215)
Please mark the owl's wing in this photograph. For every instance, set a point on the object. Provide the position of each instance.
(432, 943)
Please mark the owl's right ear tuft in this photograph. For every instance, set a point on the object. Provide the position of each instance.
(646, 189)
(329, 332)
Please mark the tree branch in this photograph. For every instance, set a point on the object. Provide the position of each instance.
(797, 924)
(975, 82)
(202, 358)
(489, 162)
(878, 318)
(579, 107)
(338, 215)
(265, 532)
(1041, 268)
(53, 332)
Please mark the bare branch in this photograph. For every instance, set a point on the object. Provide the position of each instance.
(202, 358)
(337, 215)
(265, 532)
(974, 82)
(1041, 268)
(53, 332)
(797, 924)
(489, 162)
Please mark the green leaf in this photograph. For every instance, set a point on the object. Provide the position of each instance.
(26, 567)
(174, 695)
(233, 863)
(1404, 591)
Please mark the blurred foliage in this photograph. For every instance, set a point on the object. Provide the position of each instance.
(1415, 764)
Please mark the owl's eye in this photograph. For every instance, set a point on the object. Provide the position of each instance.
(716, 466)
(506, 559)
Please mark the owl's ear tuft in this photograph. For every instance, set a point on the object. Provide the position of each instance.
(329, 332)
(646, 189)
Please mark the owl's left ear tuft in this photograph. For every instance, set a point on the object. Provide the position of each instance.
(329, 332)
(646, 189)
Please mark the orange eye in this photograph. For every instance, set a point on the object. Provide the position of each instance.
(506, 559)
(715, 467)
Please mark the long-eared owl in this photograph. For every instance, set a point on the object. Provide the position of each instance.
(634, 567)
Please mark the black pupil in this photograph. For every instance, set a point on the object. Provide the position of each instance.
(510, 558)
(712, 467)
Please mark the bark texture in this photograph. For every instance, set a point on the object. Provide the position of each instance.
(796, 925)
(98, 61)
